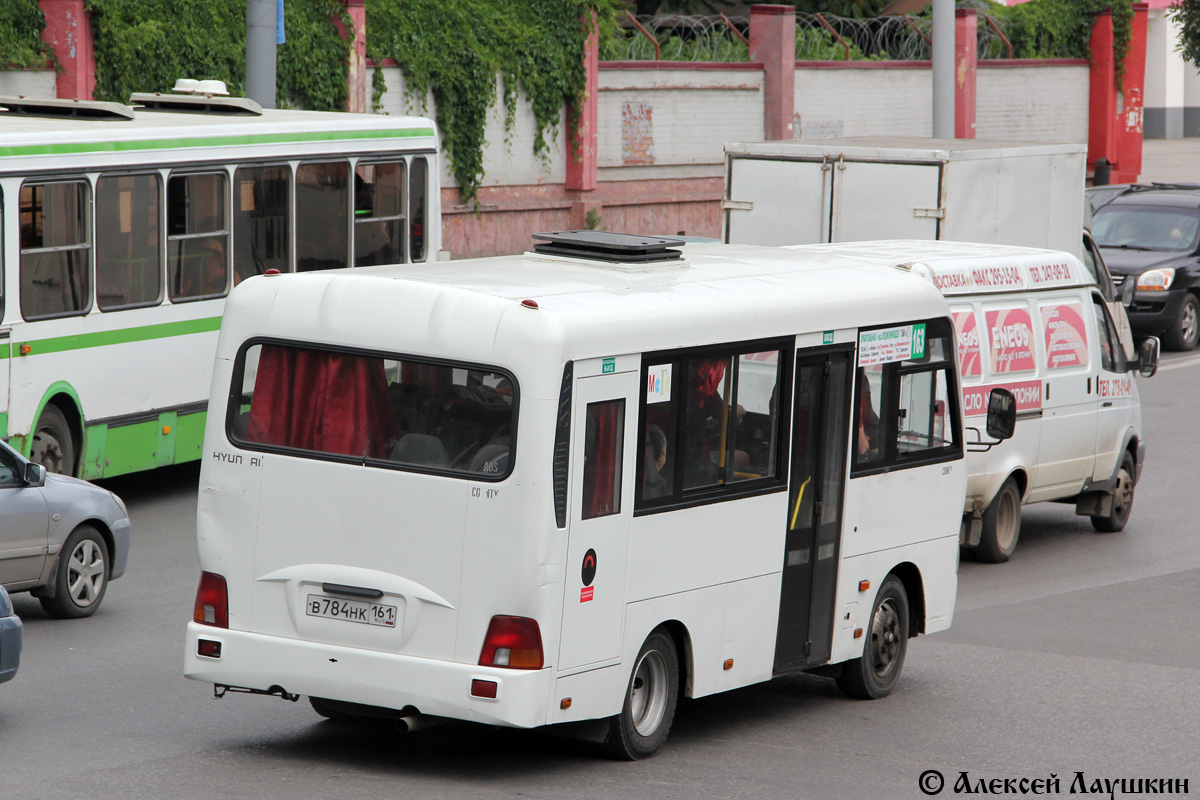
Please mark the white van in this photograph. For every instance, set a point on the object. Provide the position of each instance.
(575, 485)
(1034, 322)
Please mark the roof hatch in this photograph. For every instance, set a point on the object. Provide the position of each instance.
(612, 248)
(79, 109)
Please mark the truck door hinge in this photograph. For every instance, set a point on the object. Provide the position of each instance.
(737, 205)
(930, 213)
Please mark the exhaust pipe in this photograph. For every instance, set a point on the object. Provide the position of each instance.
(415, 722)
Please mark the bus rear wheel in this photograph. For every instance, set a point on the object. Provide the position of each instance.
(874, 674)
(1001, 525)
(52, 445)
(645, 719)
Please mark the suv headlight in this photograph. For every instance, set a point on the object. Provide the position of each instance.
(1156, 280)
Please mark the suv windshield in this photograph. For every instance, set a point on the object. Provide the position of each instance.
(1146, 227)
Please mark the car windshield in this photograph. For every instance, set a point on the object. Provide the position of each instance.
(1146, 227)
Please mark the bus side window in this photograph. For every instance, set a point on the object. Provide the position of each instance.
(418, 180)
(322, 206)
(55, 240)
(603, 450)
(129, 243)
(197, 236)
(379, 214)
(260, 221)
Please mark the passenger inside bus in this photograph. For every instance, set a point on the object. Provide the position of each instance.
(867, 437)
(655, 483)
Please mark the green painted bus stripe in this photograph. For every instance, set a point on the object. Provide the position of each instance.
(211, 141)
(144, 333)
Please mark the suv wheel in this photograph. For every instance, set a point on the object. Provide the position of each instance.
(1185, 333)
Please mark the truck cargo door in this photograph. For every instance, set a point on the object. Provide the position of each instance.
(776, 201)
(885, 201)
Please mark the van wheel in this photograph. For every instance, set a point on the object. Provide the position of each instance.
(645, 719)
(81, 575)
(1122, 499)
(1185, 333)
(1001, 525)
(874, 674)
(52, 445)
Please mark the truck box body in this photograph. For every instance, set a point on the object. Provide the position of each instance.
(885, 187)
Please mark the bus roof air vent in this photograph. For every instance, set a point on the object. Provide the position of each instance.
(610, 248)
(200, 100)
(77, 109)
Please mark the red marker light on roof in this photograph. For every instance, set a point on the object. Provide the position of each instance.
(529, 303)
(272, 271)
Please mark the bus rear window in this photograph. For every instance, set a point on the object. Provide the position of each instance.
(380, 410)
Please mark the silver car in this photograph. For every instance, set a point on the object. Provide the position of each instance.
(10, 639)
(62, 539)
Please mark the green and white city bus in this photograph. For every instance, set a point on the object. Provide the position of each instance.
(123, 228)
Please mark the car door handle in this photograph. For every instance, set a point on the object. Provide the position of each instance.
(1106, 404)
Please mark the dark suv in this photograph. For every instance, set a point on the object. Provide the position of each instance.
(1150, 234)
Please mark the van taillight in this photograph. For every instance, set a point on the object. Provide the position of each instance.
(513, 642)
(212, 601)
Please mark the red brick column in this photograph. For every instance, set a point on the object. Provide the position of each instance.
(582, 154)
(1102, 93)
(1129, 117)
(69, 32)
(356, 72)
(773, 44)
(966, 28)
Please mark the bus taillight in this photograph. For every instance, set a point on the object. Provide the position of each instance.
(513, 642)
(212, 601)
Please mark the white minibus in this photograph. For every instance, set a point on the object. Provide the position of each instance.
(1034, 322)
(123, 227)
(575, 485)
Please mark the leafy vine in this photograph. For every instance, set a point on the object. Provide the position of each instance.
(21, 46)
(456, 50)
(146, 45)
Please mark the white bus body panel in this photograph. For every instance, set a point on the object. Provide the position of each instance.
(454, 552)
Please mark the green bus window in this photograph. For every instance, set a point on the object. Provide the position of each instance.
(417, 181)
(55, 239)
(129, 255)
(322, 208)
(260, 221)
(379, 214)
(197, 236)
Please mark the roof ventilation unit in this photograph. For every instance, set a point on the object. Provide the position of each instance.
(204, 97)
(77, 109)
(612, 248)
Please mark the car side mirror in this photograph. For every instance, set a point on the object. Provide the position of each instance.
(1146, 362)
(1002, 414)
(1127, 291)
(35, 474)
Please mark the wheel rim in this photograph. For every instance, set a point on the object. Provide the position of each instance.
(1123, 495)
(47, 450)
(648, 693)
(85, 573)
(1189, 322)
(886, 638)
(1006, 521)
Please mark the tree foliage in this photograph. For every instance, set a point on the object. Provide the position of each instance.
(1063, 28)
(1186, 14)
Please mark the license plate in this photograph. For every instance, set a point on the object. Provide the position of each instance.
(351, 610)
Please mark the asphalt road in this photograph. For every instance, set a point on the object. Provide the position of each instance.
(1079, 655)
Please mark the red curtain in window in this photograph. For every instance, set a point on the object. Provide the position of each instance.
(602, 468)
(326, 402)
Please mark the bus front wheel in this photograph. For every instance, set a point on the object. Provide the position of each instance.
(645, 719)
(874, 674)
(52, 445)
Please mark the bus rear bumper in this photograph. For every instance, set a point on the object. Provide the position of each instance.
(434, 688)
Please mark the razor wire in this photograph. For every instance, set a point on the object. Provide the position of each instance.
(819, 37)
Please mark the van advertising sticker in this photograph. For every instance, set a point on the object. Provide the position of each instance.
(1028, 395)
(1066, 336)
(970, 362)
(885, 345)
(1010, 332)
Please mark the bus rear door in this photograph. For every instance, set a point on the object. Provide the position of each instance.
(602, 472)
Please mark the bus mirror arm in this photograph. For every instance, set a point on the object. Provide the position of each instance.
(1001, 421)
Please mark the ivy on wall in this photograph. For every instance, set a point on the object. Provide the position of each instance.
(21, 46)
(455, 49)
(146, 45)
